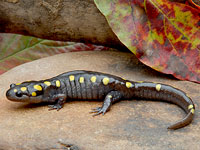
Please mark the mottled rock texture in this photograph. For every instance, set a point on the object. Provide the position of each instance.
(138, 125)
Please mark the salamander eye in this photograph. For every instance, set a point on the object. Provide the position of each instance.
(19, 94)
(12, 85)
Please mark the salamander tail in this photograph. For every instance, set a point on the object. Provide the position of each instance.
(184, 122)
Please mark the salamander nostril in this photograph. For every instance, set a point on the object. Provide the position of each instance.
(19, 94)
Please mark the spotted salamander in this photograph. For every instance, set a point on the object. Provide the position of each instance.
(90, 85)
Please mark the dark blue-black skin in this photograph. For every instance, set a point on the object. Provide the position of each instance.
(88, 85)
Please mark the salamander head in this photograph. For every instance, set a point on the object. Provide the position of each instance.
(30, 92)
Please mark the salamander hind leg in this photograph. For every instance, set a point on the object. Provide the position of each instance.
(111, 97)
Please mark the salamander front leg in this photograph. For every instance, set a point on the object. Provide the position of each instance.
(59, 104)
(111, 97)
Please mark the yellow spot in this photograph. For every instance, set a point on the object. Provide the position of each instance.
(158, 87)
(18, 83)
(47, 83)
(123, 78)
(81, 79)
(139, 81)
(105, 81)
(33, 94)
(15, 90)
(190, 106)
(57, 83)
(37, 87)
(128, 84)
(93, 79)
(192, 111)
(109, 96)
(71, 78)
(23, 89)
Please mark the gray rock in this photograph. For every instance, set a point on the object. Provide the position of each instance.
(138, 125)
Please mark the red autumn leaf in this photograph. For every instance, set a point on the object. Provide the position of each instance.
(18, 49)
(195, 3)
(164, 35)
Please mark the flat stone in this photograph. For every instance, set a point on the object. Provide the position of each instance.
(138, 125)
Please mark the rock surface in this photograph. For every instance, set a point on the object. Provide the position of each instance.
(138, 125)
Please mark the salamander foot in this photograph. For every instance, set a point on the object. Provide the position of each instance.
(56, 106)
(98, 111)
